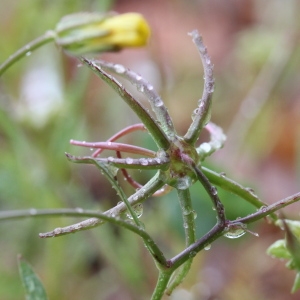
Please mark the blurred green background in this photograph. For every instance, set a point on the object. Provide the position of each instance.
(47, 99)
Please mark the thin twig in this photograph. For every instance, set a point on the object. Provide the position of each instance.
(139, 196)
(124, 131)
(268, 210)
(213, 193)
(115, 146)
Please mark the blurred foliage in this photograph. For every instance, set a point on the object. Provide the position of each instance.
(45, 100)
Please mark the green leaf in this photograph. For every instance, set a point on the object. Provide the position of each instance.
(279, 250)
(296, 285)
(293, 225)
(33, 287)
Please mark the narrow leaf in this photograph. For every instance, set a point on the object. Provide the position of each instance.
(33, 287)
(296, 285)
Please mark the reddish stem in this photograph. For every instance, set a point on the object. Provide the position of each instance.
(126, 130)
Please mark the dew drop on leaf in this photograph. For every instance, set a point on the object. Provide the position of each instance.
(138, 209)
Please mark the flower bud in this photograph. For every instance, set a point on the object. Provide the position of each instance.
(92, 32)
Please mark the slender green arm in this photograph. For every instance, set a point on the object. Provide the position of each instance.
(79, 212)
(230, 185)
(49, 36)
(156, 132)
(148, 90)
(161, 285)
(201, 115)
(141, 195)
(188, 215)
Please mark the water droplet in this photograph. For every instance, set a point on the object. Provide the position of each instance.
(235, 231)
(109, 143)
(158, 160)
(184, 182)
(143, 161)
(207, 247)
(79, 209)
(195, 113)
(214, 190)
(213, 208)
(119, 68)
(57, 230)
(28, 53)
(129, 160)
(192, 254)
(92, 149)
(140, 88)
(78, 226)
(150, 87)
(138, 78)
(32, 211)
(186, 211)
(194, 214)
(205, 147)
(158, 102)
(223, 174)
(110, 159)
(185, 225)
(138, 209)
(263, 208)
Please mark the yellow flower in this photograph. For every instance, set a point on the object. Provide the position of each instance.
(91, 32)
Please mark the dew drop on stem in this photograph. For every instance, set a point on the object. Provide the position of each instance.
(192, 254)
(143, 161)
(138, 209)
(214, 190)
(194, 214)
(235, 231)
(32, 211)
(129, 160)
(119, 68)
(207, 247)
(184, 182)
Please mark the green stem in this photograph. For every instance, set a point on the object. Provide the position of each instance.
(147, 89)
(189, 229)
(49, 36)
(158, 135)
(268, 210)
(161, 285)
(230, 185)
(78, 212)
(201, 115)
(141, 195)
(208, 238)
